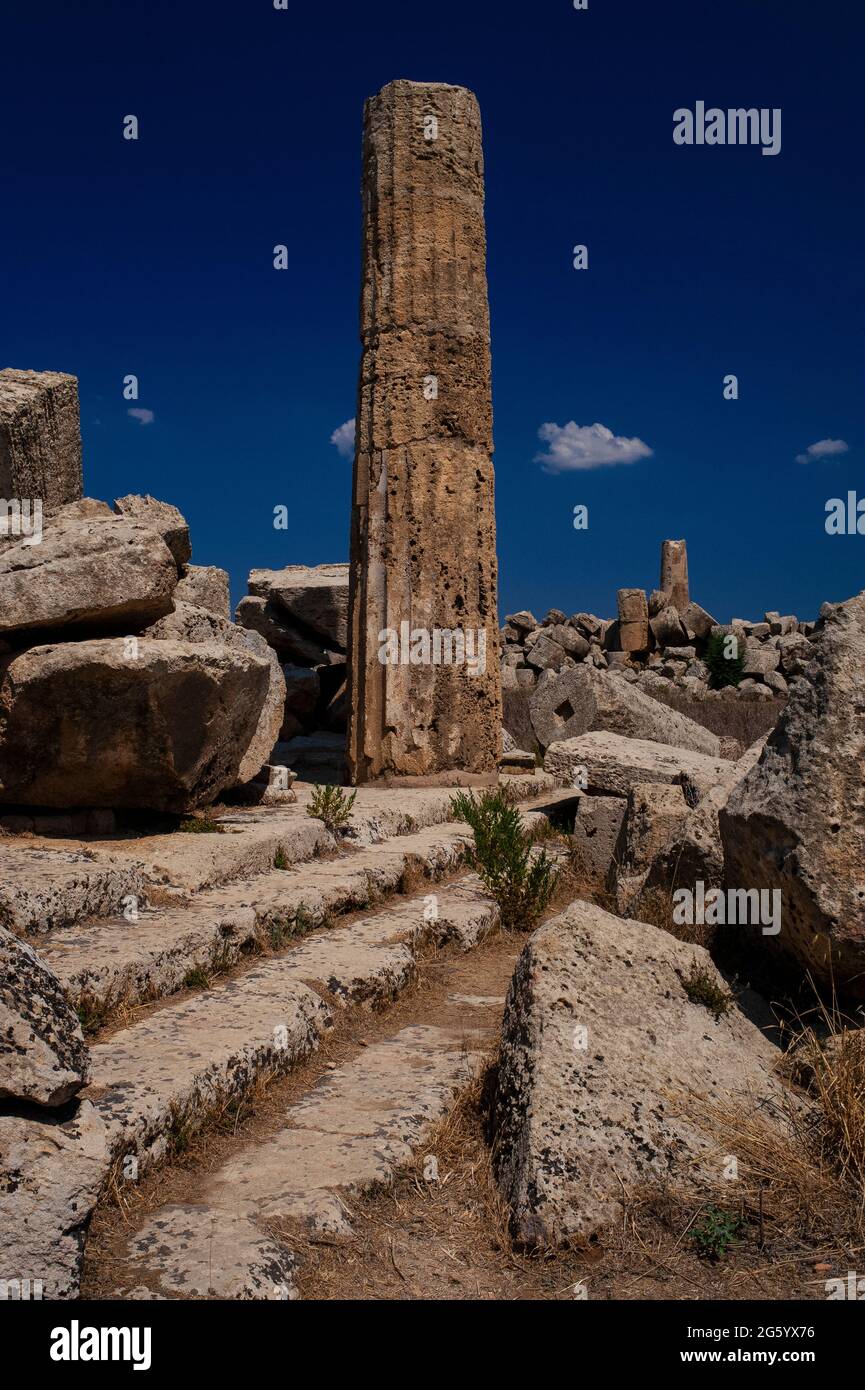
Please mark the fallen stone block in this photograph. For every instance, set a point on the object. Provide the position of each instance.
(796, 822)
(92, 724)
(93, 574)
(610, 764)
(162, 518)
(52, 1169)
(585, 699)
(315, 598)
(43, 1056)
(205, 586)
(603, 1057)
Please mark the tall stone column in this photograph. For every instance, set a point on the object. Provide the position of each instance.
(422, 587)
(674, 573)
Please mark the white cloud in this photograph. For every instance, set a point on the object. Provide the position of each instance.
(574, 446)
(144, 417)
(343, 438)
(823, 449)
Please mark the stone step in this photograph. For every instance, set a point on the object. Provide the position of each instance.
(350, 1133)
(110, 963)
(154, 1083)
(49, 883)
(43, 886)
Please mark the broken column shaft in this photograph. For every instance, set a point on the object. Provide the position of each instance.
(674, 573)
(424, 678)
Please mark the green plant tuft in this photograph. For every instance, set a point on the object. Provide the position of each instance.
(196, 978)
(723, 669)
(331, 805)
(200, 825)
(520, 880)
(701, 987)
(717, 1231)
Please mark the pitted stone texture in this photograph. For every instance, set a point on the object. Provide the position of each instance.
(95, 574)
(674, 573)
(353, 1130)
(205, 586)
(52, 1168)
(693, 852)
(633, 620)
(88, 724)
(573, 1124)
(423, 525)
(288, 641)
(44, 888)
(597, 826)
(610, 764)
(43, 1056)
(657, 811)
(162, 518)
(796, 823)
(189, 1251)
(40, 438)
(190, 624)
(584, 700)
(170, 1070)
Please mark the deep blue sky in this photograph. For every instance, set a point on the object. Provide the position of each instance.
(155, 258)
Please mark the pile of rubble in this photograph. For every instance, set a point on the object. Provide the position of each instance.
(657, 642)
(302, 612)
(123, 682)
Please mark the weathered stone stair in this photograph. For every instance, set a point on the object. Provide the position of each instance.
(187, 1058)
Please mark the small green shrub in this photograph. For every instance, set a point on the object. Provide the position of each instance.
(200, 825)
(279, 859)
(701, 987)
(520, 881)
(331, 805)
(723, 669)
(717, 1231)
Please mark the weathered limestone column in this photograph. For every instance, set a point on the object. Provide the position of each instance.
(633, 620)
(674, 573)
(422, 587)
(40, 438)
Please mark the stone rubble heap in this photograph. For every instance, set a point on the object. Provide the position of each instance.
(123, 682)
(302, 612)
(656, 642)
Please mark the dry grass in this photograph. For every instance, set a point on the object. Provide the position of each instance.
(436, 1239)
(829, 1059)
(655, 906)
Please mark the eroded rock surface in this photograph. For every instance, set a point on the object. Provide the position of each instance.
(163, 724)
(797, 821)
(43, 1056)
(578, 1114)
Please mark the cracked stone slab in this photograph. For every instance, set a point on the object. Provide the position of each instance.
(42, 888)
(612, 763)
(353, 1130)
(607, 1063)
(212, 1255)
(172, 1067)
